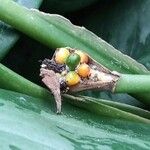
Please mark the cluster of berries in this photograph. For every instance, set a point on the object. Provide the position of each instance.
(77, 64)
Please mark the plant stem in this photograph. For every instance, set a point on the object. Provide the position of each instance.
(11, 81)
(133, 84)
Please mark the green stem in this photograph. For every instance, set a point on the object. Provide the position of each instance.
(22, 19)
(133, 84)
(53, 30)
(11, 81)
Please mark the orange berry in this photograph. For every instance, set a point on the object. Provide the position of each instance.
(72, 78)
(84, 57)
(61, 55)
(83, 70)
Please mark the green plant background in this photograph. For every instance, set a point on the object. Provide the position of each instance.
(125, 25)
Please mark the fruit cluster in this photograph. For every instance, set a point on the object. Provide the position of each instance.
(76, 62)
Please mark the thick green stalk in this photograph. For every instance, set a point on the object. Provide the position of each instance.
(133, 84)
(11, 81)
(56, 31)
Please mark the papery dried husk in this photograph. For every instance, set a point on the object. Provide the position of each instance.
(50, 79)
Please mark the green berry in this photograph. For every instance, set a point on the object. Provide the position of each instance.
(72, 61)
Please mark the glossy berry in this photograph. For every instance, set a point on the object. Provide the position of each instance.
(72, 61)
(84, 57)
(72, 78)
(61, 55)
(83, 70)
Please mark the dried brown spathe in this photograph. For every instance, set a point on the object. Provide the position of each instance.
(50, 79)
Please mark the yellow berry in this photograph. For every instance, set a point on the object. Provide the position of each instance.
(61, 55)
(83, 70)
(72, 78)
(84, 57)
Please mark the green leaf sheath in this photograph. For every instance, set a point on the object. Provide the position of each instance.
(121, 106)
(11, 81)
(104, 109)
(133, 84)
(56, 31)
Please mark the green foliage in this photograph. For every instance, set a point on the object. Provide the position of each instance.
(97, 123)
(35, 126)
